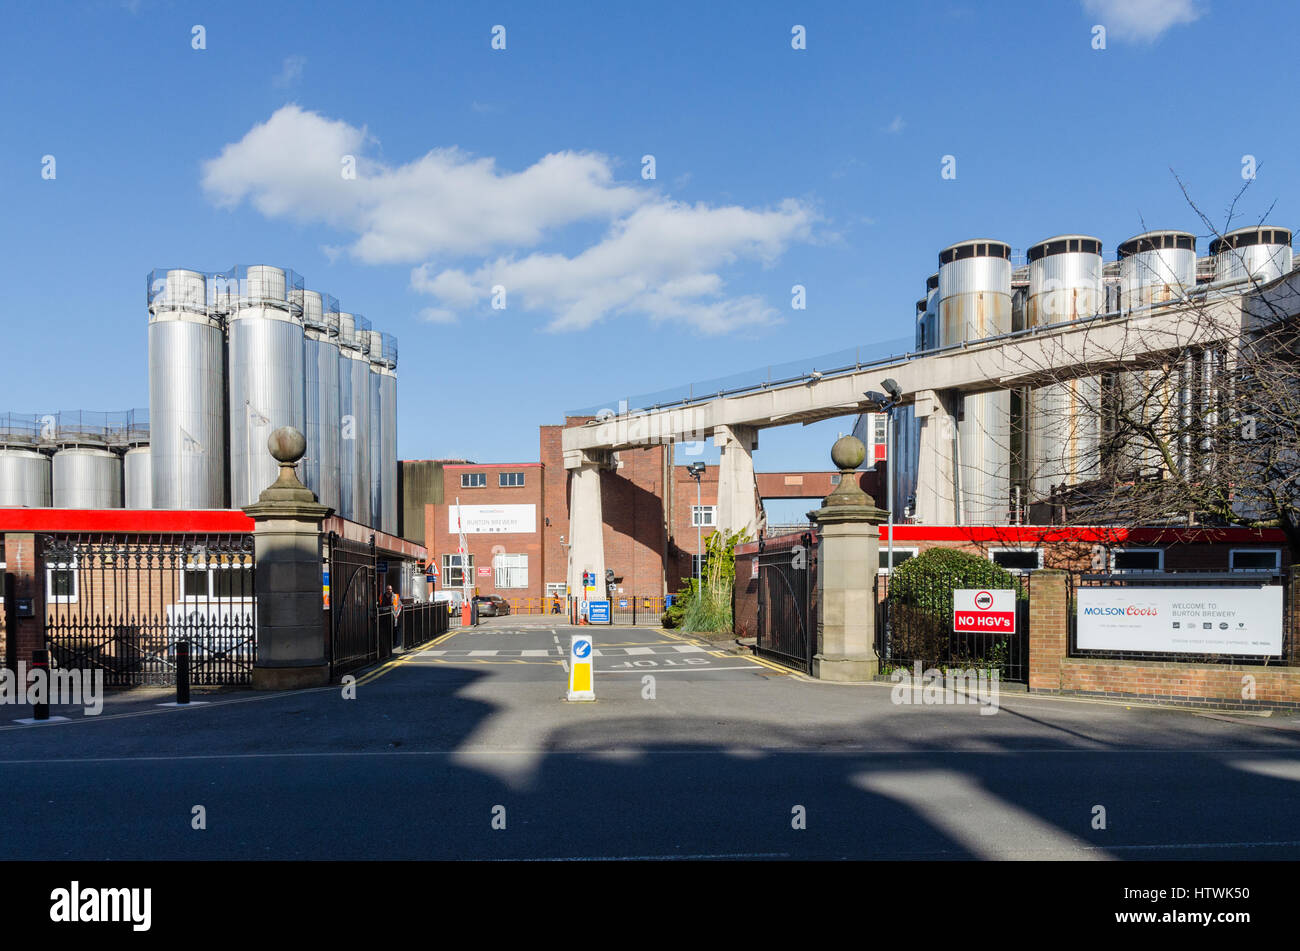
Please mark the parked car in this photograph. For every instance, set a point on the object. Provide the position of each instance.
(450, 597)
(491, 605)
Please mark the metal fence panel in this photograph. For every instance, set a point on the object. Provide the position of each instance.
(121, 603)
(787, 602)
(914, 625)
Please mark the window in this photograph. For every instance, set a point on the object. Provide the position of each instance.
(1137, 559)
(1017, 559)
(703, 515)
(697, 566)
(452, 575)
(473, 480)
(61, 581)
(510, 480)
(556, 589)
(219, 581)
(900, 555)
(1255, 559)
(511, 571)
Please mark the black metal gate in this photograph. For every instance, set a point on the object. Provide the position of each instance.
(121, 604)
(354, 626)
(787, 602)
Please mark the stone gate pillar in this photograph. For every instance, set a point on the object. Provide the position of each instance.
(847, 560)
(291, 649)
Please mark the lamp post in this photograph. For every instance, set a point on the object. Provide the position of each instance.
(696, 469)
(887, 404)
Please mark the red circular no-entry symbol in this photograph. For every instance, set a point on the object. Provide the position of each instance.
(983, 600)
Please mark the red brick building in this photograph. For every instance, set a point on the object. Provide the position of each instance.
(516, 520)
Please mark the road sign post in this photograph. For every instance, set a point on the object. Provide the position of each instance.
(581, 668)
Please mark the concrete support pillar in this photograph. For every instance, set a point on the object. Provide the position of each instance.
(936, 496)
(737, 487)
(848, 543)
(291, 648)
(586, 519)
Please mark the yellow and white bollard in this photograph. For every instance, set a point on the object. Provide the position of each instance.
(582, 668)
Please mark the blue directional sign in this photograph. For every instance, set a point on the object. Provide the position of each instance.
(622, 602)
(581, 648)
(598, 612)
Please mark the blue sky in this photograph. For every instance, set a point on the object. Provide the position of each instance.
(523, 167)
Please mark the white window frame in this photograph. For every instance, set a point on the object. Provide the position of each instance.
(208, 567)
(1136, 571)
(556, 589)
(898, 550)
(53, 566)
(506, 480)
(510, 576)
(697, 571)
(473, 480)
(448, 565)
(699, 511)
(1018, 551)
(1275, 552)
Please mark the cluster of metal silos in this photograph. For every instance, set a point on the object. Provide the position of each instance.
(1055, 435)
(77, 460)
(234, 356)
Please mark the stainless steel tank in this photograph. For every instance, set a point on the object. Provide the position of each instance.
(137, 475)
(320, 466)
(974, 303)
(25, 478)
(1261, 253)
(87, 477)
(187, 409)
(354, 415)
(383, 441)
(266, 389)
(1156, 267)
(1063, 420)
(931, 319)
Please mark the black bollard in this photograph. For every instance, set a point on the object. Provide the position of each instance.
(182, 672)
(41, 661)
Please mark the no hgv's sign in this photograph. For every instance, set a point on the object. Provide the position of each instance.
(980, 610)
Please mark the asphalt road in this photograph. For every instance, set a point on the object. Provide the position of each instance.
(467, 750)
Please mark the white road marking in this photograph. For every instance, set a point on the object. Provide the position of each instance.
(483, 653)
(535, 653)
(688, 649)
(678, 670)
(640, 650)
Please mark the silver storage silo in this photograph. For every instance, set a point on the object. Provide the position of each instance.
(319, 469)
(1064, 421)
(383, 466)
(265, 343)
(932, 312)
(137, 476)
(1155, 267)
(1261, 253)
(920, 326)
(87, 477)
(354, 415)
(25, 480)
(974, 303)
(187, 409)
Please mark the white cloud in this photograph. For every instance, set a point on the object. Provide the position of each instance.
(290, 72)
(661, 262)
(1142, 21)
(657, 258)
(896, 126)
(437, 315)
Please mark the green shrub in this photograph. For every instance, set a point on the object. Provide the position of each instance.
(927, 582)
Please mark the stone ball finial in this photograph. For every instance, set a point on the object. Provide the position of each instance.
(848, 452)
(287, 445)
